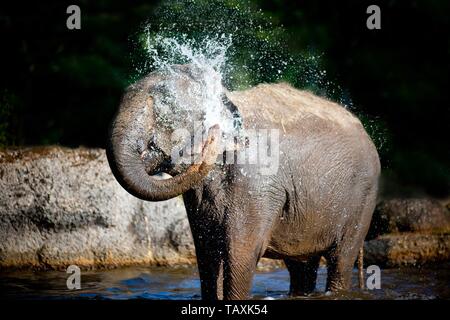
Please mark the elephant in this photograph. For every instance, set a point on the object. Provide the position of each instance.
(318, 202)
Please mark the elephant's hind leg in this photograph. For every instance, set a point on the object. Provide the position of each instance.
(342, 256)
(303, 275)
(339, 270)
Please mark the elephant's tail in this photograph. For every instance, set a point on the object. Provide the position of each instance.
(361, 267)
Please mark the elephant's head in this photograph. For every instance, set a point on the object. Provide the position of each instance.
(141, 141)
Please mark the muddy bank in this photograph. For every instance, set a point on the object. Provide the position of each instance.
(61, 206)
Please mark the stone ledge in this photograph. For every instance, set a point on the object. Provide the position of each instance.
(407, 249)
(61, 206)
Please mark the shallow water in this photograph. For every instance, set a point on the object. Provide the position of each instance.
(183, 283)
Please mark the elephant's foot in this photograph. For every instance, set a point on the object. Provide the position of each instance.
(337, 284)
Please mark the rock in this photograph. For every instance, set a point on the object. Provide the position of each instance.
(408, 232)
(62, 206)
(266, 264)
(409, 215)
(407, 249)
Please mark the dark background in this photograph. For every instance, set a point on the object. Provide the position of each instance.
(59, 86)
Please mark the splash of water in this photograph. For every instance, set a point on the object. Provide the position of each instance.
(235, 45)
(206, 65)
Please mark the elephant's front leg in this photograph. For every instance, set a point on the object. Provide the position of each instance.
(239, 268)
(209, 236)
(247, 231)
(210, 267)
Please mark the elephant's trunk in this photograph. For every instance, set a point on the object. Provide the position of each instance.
(127, 149)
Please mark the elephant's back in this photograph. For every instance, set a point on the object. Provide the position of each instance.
(282, 105)
(314, 123)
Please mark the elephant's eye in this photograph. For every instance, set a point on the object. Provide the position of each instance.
(153, 146)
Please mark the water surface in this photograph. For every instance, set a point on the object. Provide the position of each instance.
(183, 283)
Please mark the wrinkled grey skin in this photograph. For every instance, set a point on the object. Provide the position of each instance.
(319, 203)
